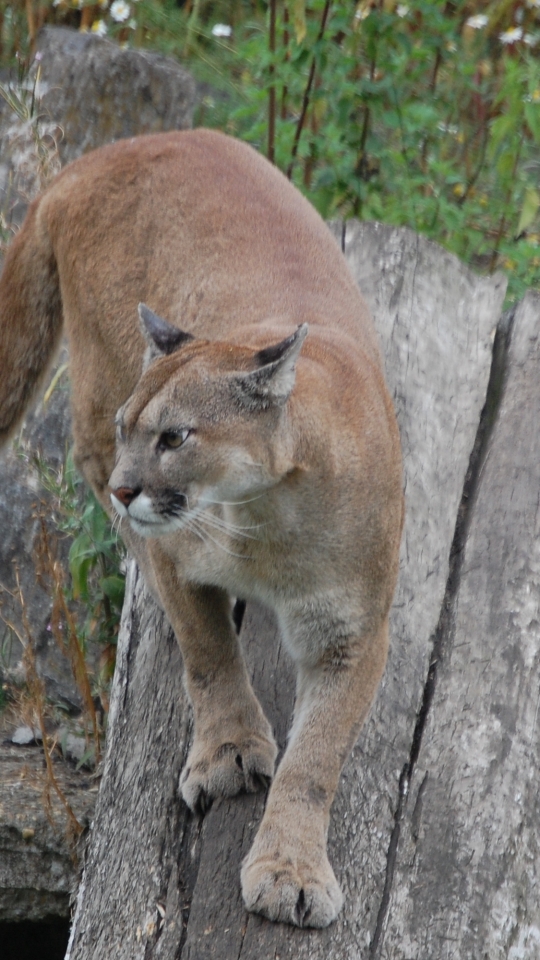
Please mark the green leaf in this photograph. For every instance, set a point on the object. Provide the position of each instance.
(532, 116)
(79, 576)
(113, 587)
(501, 128)
(531, 203)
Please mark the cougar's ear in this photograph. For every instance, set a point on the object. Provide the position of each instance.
(273, 380)
(162, 338)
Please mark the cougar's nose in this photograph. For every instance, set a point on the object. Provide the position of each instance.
(125, 495)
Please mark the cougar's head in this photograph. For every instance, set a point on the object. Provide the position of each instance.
(204, 425)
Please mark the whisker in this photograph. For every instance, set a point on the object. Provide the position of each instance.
(233, 503)
(230, 528)
(194, 523)
(191, 526)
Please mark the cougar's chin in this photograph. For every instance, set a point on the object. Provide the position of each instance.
(152, 528)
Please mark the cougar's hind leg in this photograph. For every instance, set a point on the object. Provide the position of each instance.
(287, 875)
(233, 748)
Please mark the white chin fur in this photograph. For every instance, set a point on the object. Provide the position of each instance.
(119, 507)
(142, 518)
(146, 529)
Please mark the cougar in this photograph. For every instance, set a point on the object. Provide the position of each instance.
(228, 402)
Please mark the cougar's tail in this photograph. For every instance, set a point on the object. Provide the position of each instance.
(30, 318)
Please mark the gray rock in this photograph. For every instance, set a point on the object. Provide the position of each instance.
(38, 862)
(98, 92)
(44, 437)
(24, 736)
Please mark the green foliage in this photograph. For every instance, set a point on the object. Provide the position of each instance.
(425, 114)
(416, 117)
(95, 558)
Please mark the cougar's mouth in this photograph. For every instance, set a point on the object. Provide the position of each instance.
(146, 517)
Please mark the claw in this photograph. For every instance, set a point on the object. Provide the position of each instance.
(203, 803)
(301, 910)
(261, 781)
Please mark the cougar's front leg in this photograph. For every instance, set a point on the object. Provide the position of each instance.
(287, 875)
(233, 748)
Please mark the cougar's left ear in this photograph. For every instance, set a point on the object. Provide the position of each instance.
(162, 338)
(273, 380)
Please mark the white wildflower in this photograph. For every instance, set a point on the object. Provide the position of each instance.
(120, 11)
(512, 35)
(99, 27)
(221, 30)
(534, 4)
(402, 9)
(531, 39)
(448, 128)
(477, 22)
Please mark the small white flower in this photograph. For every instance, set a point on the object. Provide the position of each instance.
(402, 9)
(447, 128)
(512, 35)
(477, 22)
(99, 27)
(120, 11)
(531, 39)
(533, 4)
(221, 30)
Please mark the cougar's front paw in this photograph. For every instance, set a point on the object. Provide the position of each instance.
(284, 883)
(223, 770)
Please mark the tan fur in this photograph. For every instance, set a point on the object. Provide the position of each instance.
(305, 470)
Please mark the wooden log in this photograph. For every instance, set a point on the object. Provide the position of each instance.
(466, 878)
(159, 883)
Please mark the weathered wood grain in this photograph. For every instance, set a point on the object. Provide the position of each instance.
(148, 856)
(467, 874)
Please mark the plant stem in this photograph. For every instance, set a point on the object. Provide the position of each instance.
(502, 222)
(272, 88)
(307, 93)
(31, 22)
(36, 689)
(287, 58)
(192, 26)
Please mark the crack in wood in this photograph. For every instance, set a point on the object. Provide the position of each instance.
(442, 639)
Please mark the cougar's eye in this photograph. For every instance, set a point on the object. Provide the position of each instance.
(171, 439)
